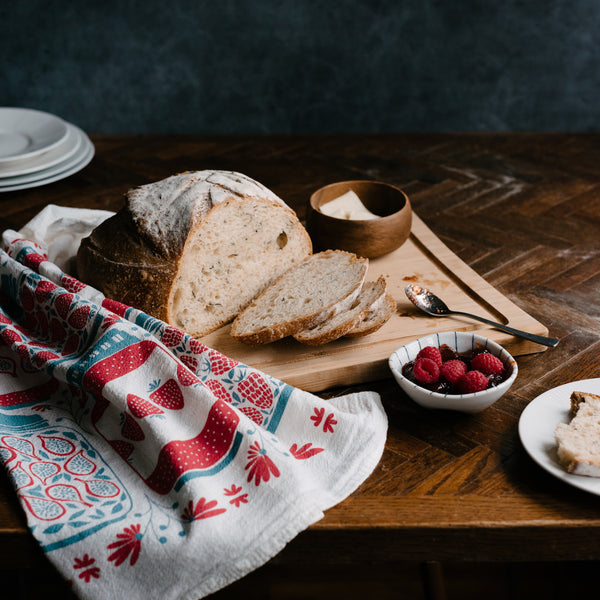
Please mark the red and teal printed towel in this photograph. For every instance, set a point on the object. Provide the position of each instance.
(149, 465)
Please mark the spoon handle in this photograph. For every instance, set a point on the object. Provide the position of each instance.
(538, 339)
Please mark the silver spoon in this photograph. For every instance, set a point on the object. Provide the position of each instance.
(434, 306)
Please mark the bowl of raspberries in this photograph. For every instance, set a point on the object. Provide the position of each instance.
(454, 370)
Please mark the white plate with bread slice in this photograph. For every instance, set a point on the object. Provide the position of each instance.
(537, 427)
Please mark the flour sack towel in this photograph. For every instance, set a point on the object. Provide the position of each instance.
(149, 465)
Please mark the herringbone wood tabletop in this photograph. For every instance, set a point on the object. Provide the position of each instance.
(523, 210)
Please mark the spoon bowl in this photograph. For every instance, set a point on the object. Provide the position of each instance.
(431, 304)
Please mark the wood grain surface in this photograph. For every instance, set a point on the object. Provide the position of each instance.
(523, 211)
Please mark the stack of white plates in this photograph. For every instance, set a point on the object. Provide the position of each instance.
(37, 148)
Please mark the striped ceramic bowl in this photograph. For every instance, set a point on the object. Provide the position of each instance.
(461, 341)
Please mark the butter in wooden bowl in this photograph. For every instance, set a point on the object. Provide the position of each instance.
(348, 206)
(369, 218)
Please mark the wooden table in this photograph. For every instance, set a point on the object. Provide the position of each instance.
(523, 210)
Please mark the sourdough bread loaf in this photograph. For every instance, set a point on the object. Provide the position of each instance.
(323, 285)
(194, 249)
(578, 442)
(335, 327)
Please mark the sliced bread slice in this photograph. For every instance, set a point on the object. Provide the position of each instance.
(578, 442)
(379, 314)
(309, 293)
(340, 324)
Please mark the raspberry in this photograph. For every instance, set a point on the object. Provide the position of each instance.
(426, 370)
(453, 370)
(488, 364)
(432, 353)
(472, 381)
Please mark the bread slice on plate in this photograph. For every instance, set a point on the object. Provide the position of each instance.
(377, 316)
(578, 442)
(337, 326)
(194, 249)
(321, 286)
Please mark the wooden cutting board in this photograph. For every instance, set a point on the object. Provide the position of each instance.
(422, 259)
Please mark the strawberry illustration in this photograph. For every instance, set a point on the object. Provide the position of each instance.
(27, 300)
(197, 347)
(63, 304)
(43, 289)
(71, 344)
(131, 429)
(253, 414)
(172, 337)
(11, 336)
(141, 408)
(79, 317)
(219, 363)
(218, 389)
(44, 356)
(122, 448)
(168, 395)
(191, 362)
(23, 352)
(71, 284)
(57, 331)
(33, 260)
(185, 376)
(255, 389)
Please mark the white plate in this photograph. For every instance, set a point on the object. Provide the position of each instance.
(538, 422)
(82, 146)
(25, 132)
(83, 161)
(48, 159)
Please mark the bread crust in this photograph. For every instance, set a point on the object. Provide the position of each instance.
(333, 333)
(266, 335)
(368, 326)
(370, 296)
(577, 440)
(165, 211)
(115, 260)
(576, 399)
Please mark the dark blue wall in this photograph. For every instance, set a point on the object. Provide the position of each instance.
(278, 66)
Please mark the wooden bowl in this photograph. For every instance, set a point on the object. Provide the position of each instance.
(368, 238)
